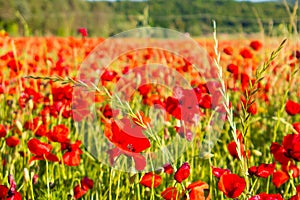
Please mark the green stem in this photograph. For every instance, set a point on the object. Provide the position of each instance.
(47, 178)
(110, 184)
(138, 192)
(280, 112)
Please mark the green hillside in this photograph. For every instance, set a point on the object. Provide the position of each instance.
(44, 17)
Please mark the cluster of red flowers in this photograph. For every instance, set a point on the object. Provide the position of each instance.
(194, 191)
(11, 192)
(38, 122)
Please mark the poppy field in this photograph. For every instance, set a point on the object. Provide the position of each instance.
(140, 132)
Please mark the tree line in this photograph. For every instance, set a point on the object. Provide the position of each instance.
(102, 18)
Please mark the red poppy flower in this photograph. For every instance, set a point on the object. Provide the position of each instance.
(83, 32)
(205, 101)
(59, 134)
(7, 56)
(297, 195)
(291, 143)
(201, 88)
(78, 192)
(218, 172)
(170, 193)
(108, 75)
(296, 126)
(279, 178)
(172, 107)
(72, 156)
(297, 54)
(232, 147)
(128, 136)
(2, 131)
(228, 50)
(29, 94)
(10, 193)
(246, 53)
(126, 68)
(198, 190)
(50, 157)
(263, 170)
(139, 160)
(62, 93)
(292, 108)
(264, 196)
(231, 185)
(145, 89)
(232, 68)
(14, 196)
(14, 65)
(107, 111)
(245, 81)
(45, 113)
(184, 106)
(1, 88)
(150, 180)
(56, 108)
(182, 173)
(80, 107)
(3, 192)
(36, 126)
(12, 141)
(256, 45)
(42, 130)
(32, 124)
(42, 150)
(39, 148)
(168, 169)
(252, 109)
(279, 153)
(291, 167)
(85, 185)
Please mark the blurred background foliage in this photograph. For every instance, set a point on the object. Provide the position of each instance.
(106, 18)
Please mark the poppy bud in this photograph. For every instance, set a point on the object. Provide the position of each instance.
(182, 173)
(19, 126)
(151, 180)
(26, 175)
(31, 104)
(218, 172)
(168, 169)
(35, 179)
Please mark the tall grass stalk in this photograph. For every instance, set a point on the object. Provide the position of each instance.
(283, 100)
(229, 110)
(249, 96)
(292, 15)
